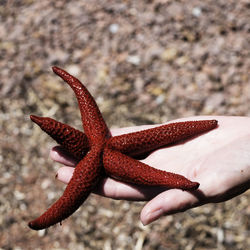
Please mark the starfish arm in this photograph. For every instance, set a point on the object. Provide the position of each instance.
(94, 125)
(127, 169)
(145, 141)
(133, 144)
(85, 177)
(72, 140)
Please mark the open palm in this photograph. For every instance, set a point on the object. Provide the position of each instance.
(219, 160)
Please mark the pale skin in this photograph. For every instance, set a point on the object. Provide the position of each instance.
(219, 160)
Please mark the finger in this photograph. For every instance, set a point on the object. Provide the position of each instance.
(114, 189)
(64, 174)
(169, 202)
(107, 187)
(59, 155)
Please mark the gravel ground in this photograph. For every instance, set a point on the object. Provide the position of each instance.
(145, 62)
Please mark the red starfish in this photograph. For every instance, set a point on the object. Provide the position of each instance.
(99, 153)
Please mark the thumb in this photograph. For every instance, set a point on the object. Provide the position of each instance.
(169, 202)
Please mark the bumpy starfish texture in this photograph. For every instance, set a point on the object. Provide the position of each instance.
(100, 154)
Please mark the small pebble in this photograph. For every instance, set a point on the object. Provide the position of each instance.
(74, 70)
(113, 28)
(134, 60)
(196, 11)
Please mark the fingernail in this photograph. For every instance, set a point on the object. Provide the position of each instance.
(152, 216)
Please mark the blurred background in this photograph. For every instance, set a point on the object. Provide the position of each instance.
(145, 62)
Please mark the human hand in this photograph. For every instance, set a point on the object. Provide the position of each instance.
(219, 160)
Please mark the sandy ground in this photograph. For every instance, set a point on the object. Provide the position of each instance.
(145, 62)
